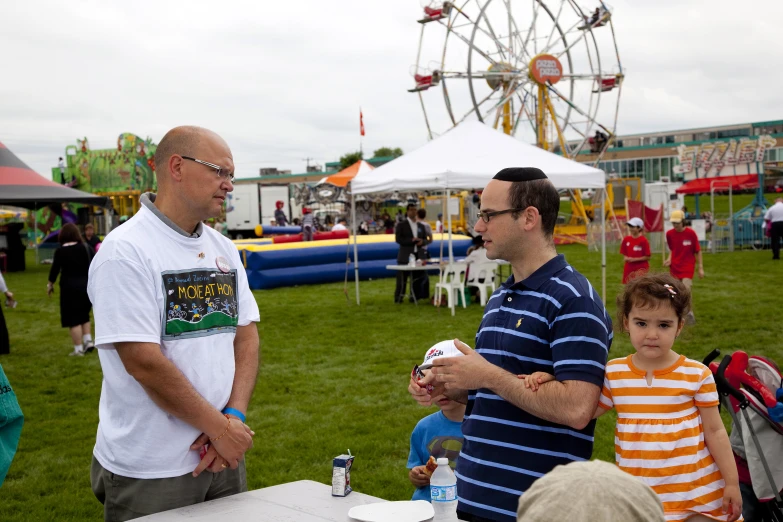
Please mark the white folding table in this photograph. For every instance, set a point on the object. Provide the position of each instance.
(301, 501)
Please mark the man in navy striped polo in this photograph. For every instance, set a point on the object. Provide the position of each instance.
(545, 317)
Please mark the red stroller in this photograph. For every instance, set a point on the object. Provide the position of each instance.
(750, 389)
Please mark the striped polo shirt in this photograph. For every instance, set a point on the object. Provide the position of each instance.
(554, 322)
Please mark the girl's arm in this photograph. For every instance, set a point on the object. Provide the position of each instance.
(535, 380)
(599, 410)
(717, 441)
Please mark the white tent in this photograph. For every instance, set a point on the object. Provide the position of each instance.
(467, 157)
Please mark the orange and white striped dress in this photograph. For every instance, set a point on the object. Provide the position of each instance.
(659, 436)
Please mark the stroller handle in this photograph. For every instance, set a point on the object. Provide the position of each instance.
(725, 387)
(714, 354)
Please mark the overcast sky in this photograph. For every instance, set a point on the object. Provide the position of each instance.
(283, 80)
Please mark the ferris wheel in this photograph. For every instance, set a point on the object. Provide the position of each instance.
(545, 71)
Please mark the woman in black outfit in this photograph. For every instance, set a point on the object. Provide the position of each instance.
(5, 344)
(73, 260)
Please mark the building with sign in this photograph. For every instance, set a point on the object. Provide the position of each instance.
(733, 152)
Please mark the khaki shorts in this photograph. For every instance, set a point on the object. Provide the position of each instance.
(687, 282)
(125, 498)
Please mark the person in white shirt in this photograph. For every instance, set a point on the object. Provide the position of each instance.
(477, 255)
(774, 216)
(177, 340)
(340, 225)
(308, 224)
(61, 166)
(439, 224)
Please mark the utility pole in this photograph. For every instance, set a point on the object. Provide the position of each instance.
(308, 160)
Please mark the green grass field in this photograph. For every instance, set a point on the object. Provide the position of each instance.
(333, 377)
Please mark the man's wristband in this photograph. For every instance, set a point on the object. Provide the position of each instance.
(235, 413)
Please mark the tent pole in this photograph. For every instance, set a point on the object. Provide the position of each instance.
(448, 200)
(355, 247)
(444, 206)
(663, 237)
(603, 248)
(451, 250)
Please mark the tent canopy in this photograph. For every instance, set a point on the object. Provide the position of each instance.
(467, 157)
(21, 186)
(720, 183)
(342, 178)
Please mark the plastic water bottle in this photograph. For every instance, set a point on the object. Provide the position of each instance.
(443, 492)
(411, 260)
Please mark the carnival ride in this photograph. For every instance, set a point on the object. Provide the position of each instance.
(121, 173)
(547, 72)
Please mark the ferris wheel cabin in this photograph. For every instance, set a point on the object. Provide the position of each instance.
(607, 84)
(598, 18)
(435, 11)
(425, 80)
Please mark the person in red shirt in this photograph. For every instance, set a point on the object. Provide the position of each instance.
(635, 250)
(684, 253)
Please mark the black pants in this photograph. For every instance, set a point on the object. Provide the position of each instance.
(401, 289)
(5, 344)
(777, 234)
(421, 285)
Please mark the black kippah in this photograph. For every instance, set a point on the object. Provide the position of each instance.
(520, 174)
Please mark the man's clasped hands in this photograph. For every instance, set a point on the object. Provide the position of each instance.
(226, 448)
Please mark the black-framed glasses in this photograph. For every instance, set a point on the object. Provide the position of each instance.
(486, 216)
(222, 172)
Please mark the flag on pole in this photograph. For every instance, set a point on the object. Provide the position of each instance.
(361, 122)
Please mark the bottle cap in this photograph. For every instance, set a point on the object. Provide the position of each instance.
(443, 461)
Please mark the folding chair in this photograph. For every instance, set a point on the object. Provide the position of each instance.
(452, 281)
(482, 276)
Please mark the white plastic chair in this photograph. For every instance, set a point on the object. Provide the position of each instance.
(452, 281)
(482, 276)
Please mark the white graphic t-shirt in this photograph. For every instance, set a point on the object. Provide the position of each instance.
(149, 283)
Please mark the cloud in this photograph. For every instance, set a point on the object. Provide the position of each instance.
(282, 81)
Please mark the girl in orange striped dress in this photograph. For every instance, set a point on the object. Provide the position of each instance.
(669, 433)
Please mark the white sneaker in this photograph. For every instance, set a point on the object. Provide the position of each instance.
(76, 353)
(89, 346)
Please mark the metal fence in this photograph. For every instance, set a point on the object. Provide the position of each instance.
(720, 235)
(613, 237)
(727, 234)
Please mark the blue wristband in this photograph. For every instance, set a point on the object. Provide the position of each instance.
(235, 413)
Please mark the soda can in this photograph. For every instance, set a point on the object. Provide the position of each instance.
(341, 475)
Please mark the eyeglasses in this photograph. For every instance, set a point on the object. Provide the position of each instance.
(222, 172)
(486, 216)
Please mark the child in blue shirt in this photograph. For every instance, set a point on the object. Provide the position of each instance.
(437, 435)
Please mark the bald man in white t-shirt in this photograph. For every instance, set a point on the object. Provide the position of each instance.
(177, 340)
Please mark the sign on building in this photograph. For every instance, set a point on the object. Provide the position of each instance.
(723, 158)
